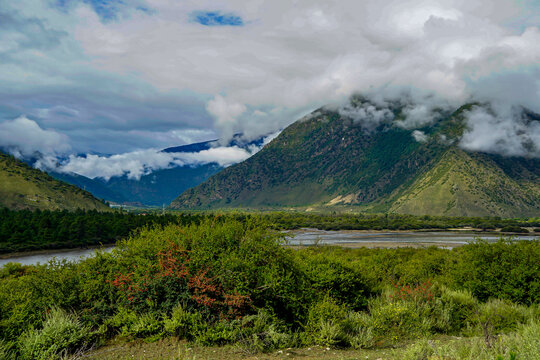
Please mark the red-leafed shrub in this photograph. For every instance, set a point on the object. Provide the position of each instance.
(421, 292)
(170, 281)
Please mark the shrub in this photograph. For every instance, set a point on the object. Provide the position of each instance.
(503, 316)
(6, 351)
(461, 307)
(505, 269)
(14, 269)
(147, 325)
(325, 323)
(418, 293)
(359, 331)
(263, 332)
(514, 229)
(330, 274)
(122, 321)
(229, 270)
(182, 323)
(62, 334)
(216, 334)
(396, 320)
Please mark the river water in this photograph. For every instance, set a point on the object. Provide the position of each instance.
(310, 237)
(46, 256)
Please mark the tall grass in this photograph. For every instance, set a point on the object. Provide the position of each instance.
(62, 334)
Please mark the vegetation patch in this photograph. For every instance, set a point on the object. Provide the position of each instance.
(225, 282)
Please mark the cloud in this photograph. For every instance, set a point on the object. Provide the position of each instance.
(506, 132)
(417, 116)
(367, 114)
(317, 52)
(420, 136)
(138, 163)
(137, 74)
(225, 114)
(23, 137)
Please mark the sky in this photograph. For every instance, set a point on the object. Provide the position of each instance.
(105, 84)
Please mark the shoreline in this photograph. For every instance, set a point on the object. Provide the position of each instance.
(19, 254)
(452, 230)
(370, 244)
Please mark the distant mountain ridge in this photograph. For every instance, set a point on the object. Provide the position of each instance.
(328, 159)
(159, 187)
(23, 187)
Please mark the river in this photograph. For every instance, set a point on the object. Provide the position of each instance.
(310, 237)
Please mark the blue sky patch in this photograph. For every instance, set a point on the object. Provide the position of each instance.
(216, 18)
(106, 9)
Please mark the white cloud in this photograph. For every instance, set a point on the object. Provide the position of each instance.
(368, 115)
(303, 56)
(226, 115)
(157, 72)
(420, 136)
(417, 116)
(23, 137)
(504, 132)
(138, 163)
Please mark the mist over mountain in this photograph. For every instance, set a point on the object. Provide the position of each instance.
(386, 156)
(157, 187)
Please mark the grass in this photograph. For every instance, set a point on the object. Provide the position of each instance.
(523, 344)
(22, 187)
(172, 348)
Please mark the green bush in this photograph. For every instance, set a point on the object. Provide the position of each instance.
(506, 269)
(6, 350)
(359, 331)
(216, 334)
(182, 323)
(146, 326)
(62, 334)
(325, 323)
(396, 320)
(504, 316)
(461, 307)
(514, 229)
(122, 321)
(263, 332)
(330, 274)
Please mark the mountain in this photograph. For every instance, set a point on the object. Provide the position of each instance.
(22, 187)
(159, 187)
(329, 159)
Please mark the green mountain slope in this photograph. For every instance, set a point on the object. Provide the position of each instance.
(328, 159)
(464, 184)
(22, 187)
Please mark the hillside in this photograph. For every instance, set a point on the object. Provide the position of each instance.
(328, 159)
(22, 187)
(155, 189)
(465, 184)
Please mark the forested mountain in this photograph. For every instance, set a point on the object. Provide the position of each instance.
(329, 158)
(22, 187)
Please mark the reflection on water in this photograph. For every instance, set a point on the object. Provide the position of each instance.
(308, 237)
